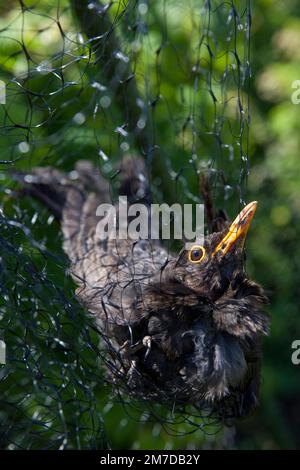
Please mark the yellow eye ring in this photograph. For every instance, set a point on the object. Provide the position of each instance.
(197, 254)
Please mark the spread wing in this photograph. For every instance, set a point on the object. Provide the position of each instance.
(110, 274)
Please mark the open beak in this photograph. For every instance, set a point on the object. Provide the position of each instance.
(237, 231)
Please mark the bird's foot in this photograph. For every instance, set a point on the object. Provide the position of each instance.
(147, 341)
(132, 372)
(129, 349)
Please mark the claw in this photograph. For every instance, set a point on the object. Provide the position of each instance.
(147, 341)
(130, 349)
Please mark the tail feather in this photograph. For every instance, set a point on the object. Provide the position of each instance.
(74, 197)
(44, 184)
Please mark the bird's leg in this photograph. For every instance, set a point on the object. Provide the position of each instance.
(145, 343)
(147, 340)
(132, 371)
(129, 349)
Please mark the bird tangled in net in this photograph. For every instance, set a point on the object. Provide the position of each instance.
(177, 329)
(102, 80)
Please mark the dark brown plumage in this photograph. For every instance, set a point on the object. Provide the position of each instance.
(176, 331)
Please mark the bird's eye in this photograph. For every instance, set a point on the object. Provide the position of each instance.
(196, 254)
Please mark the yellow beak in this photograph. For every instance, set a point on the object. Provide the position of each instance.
(237, 230)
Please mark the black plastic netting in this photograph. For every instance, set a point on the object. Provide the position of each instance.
(165, 80)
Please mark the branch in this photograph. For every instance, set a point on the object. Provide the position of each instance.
(97, 27)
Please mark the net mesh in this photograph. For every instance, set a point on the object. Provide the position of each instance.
(167, 80)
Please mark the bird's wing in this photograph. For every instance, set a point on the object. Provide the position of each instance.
(113, 275)
(110, 274)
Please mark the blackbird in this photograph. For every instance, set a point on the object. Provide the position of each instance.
(179, 329)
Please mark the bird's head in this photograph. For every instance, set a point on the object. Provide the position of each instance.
(205, 319)
(209, 269)
(210, 279)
